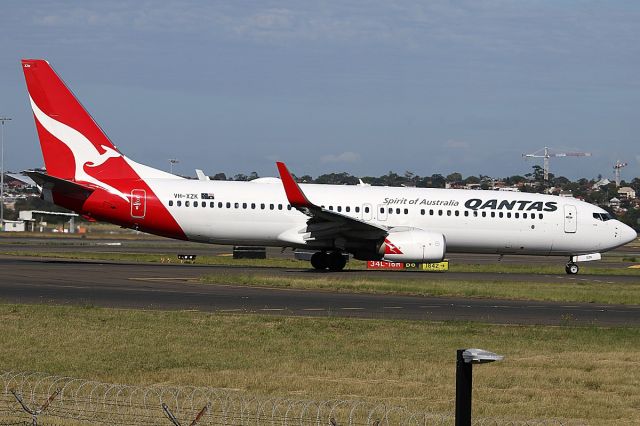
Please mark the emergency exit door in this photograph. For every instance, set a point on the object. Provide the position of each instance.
(138, 203)
(570, 219)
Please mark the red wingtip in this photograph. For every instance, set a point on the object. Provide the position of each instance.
(294, 194)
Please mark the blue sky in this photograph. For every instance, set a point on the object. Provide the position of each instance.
(363, 87)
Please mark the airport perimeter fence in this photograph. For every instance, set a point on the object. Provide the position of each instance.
(38, 398)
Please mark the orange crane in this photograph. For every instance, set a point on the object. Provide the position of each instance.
(546, 153)
(616, 171)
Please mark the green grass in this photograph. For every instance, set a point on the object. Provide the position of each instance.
(430, 285)
(579, 373)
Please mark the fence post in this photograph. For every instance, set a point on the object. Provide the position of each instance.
(35, 413)
(175, 421)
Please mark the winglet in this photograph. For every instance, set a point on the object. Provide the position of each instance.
(294, 194)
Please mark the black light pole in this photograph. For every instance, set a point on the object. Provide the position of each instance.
(2, 120)
(464, 380)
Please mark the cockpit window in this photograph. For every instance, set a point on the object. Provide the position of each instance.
(602, 216)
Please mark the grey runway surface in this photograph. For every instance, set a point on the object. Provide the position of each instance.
(173, 287)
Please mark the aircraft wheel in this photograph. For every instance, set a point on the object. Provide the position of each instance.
(320, 260)
(337, 262)
(571, 268)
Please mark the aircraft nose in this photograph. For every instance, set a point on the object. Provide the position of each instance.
(628, 234)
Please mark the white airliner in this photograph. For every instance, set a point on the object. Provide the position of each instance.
(89, 175)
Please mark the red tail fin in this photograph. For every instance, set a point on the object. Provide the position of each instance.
(69, 137)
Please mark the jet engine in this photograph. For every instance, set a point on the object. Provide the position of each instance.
(413, 245)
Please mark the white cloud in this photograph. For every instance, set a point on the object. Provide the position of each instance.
(345, 157)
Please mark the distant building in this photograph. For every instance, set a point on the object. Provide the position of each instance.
(627, 193)
(614, 202)
(601, 182)
(14, 226)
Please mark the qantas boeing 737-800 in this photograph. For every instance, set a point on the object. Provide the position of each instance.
(86, 173)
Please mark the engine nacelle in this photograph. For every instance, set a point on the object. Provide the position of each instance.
(414, 245)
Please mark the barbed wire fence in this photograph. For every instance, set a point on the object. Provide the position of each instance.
(48, 399)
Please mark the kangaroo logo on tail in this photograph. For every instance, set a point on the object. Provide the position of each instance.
(84, 152)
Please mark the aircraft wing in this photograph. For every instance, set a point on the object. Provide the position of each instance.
(323, 223)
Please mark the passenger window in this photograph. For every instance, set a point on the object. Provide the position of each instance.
(271, 207)
(439, 212)
(262, 206)
(381, 209)
(448, 212)
(357, 209)
(484, 214)
(457, 213)
(339, 208)
(524, 215)
(540, 216)
(279, 206)
(508, 215)
(253, 206)
(406, 211)
(236, 205)
(493, 214)
(186, 204)
(212, 204)
(422, 212)
(466, 213)
(366, 209)
(195, 204)
(431, 212)
(178, 203)
(397, 211)
(244, 205)
(204, 204)
(331, 208)
(347, 209)
(170, 203)
(475, 213)
(288, 206)
(500, 215)
(517, 215)
(228, 205)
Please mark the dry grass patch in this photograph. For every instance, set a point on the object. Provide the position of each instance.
(565, 372)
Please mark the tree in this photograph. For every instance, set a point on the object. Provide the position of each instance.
(454, 177)
(472, 180)
(219, 176)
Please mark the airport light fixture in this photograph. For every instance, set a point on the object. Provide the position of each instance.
(464, 380)
(172, 161)
(2, 120)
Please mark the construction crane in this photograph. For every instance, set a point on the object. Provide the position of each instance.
(616, 171)
(546, 154)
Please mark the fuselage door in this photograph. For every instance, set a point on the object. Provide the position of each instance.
(138, 203)
(367, 212)
(570, 218)
(382, 212)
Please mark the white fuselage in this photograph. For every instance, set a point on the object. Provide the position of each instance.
(258, 213)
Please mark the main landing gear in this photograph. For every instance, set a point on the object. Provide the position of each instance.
(333, 261)
(571, 268)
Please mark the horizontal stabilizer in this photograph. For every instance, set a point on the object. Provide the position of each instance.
(62, 186)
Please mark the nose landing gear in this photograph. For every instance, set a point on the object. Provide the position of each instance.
(571, 268)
